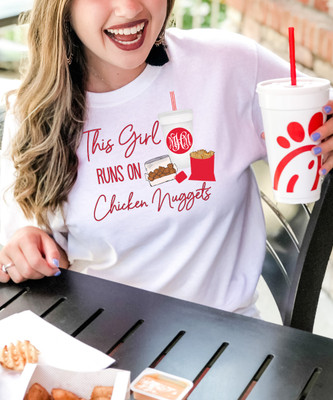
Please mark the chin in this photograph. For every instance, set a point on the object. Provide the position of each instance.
(133, 64)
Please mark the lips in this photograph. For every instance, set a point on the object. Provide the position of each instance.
(127, 36)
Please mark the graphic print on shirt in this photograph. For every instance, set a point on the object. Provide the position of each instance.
(297, 134)
(177, 129)
(181, 163)
(162, 169)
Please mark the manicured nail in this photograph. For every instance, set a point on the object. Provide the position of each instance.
(327, 109)
(55, 262)
(317, 150)
(315, 136)
(323, 171)
(57, 273)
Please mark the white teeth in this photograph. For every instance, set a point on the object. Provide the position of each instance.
(127, 31)
(127, 42)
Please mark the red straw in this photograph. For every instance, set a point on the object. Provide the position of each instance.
(173, 101)
(292, 56)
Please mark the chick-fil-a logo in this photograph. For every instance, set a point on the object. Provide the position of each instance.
(297, 134)
(179, 140)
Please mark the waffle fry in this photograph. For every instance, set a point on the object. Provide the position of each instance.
(15, 357)
(101, 393)
(37, 392)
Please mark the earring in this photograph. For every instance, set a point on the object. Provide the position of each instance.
(69, 52)
(158, 55)
(69, 58)
(160, 40)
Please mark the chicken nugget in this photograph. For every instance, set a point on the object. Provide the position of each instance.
(101, 393)
(101, 398)
(61, 394)
(37, 392)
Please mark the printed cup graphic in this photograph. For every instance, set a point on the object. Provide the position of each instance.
(177, 130)
(291, 113)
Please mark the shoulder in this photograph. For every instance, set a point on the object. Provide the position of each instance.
(204, 41)
(225, 53)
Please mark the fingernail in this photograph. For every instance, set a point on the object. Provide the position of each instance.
(327, 109)
(323, 171)
(315, 136)
(57, 273)
(317, 150)
(55, 262)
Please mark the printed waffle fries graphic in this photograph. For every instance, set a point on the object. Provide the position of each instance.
(202, 165)
(202, 154)
(15, 357)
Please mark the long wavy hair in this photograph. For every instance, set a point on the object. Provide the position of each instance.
(51, 107)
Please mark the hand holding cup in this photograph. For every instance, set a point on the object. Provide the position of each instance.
(323, 137)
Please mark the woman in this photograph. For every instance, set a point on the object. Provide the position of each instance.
(111, 191)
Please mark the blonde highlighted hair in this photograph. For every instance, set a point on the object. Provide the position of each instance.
(51, 107)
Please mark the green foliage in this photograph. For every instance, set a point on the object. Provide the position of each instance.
(14, 33)
(204, 11)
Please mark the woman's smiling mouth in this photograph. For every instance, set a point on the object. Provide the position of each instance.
(129, 36)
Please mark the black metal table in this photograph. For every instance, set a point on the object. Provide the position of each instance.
(11, 9)
(223, 353)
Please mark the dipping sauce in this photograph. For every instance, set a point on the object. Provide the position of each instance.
(158, 385)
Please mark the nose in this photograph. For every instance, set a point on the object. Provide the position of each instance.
(127, 8)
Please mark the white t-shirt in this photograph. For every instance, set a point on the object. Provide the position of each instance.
(198, 232)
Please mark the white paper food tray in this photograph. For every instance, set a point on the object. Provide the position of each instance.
(80, 383)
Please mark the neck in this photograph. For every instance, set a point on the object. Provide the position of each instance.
(109, 79)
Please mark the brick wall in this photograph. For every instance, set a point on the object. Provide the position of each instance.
(321, 5)
(267, 21)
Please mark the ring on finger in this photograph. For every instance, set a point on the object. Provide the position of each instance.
(4, 267)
